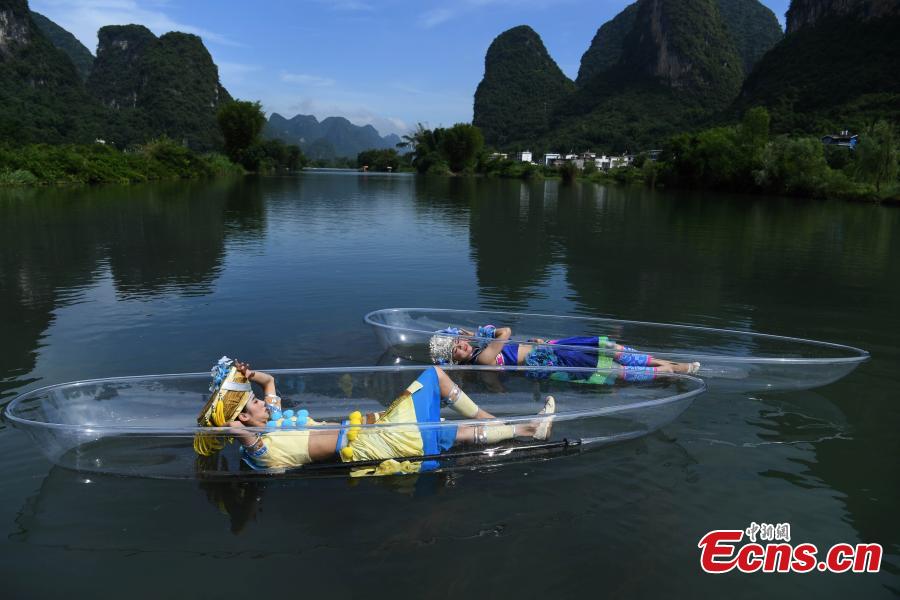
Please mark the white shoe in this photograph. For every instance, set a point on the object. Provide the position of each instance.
(543, 429)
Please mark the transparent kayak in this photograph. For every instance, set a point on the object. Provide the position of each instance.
(145, 426)
(730, 360)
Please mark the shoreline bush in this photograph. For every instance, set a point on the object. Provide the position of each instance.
(45, 164)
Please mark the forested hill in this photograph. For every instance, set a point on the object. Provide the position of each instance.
(678, 66)
(80, 56)
(606, 47)
(806, 13)
(333, 137)
(42, 98)
(753, 28)
(157, 86)
(521, 89)
(140, 87)
(658, 67)
(837, 68)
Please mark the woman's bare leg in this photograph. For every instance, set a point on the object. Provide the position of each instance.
(663, 366)
(469, 434)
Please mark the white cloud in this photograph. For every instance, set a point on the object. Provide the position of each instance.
(232, 74)
(84, 17)
(305, 79)
(409, 89)
(438, 16)
(348, 5)
(435, 17)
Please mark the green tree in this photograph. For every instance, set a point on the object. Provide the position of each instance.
(460, 146)
(379, 160)
(241, 123)
(794, 166)
(877, 154)
(275, 155)
(755, 126)
(650, 170)
(425, 144)
(753, 134)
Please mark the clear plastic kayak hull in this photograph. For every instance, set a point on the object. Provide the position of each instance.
(145, 426)
(731, 360)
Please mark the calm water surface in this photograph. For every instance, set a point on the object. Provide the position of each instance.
(112, 281)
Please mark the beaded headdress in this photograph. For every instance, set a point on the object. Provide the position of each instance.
(230, 392)
(440, 347)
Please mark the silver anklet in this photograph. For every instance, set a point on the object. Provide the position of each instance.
(480, 434)
(452, 397)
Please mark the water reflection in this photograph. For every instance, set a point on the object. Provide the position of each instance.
(511, 247)
(167, 277)
(150, 240)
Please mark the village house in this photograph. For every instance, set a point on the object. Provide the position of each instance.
(602, 162)
(843, 139)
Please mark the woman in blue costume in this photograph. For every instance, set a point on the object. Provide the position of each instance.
(293, 440)
(448, 347)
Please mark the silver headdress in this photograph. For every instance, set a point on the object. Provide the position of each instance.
(441, 348)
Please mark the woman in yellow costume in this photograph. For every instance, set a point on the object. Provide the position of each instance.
(233, 404)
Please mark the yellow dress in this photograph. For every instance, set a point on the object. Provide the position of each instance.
(402, 431)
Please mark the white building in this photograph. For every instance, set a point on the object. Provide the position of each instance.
(551, 158)
(523, 156)
(621, 161)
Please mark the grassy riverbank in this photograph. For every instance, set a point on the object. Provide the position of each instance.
(162, 159)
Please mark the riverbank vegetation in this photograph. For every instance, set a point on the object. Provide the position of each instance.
(159, 159)
(745, 158)
(383, 160)
(442, 151)
(241, 123)
(37, 164)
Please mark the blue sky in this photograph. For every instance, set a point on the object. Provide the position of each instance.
(391, 63)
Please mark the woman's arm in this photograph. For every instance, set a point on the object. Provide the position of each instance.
(488, 356)
(264, 379)
(248, 439)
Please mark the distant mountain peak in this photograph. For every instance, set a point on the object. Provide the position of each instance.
(332, 137)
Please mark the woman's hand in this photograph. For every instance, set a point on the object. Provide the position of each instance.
(244, 369)
(258, 377)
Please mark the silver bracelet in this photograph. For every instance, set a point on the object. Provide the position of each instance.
(255, 442)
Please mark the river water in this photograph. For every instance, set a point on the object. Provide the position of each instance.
(108, 281)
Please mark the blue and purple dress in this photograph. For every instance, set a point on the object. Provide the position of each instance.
(594, 352)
